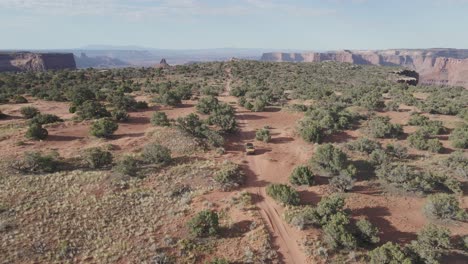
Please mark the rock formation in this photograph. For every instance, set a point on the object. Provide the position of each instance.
(163, 64)
(35, 62)
(435, 66)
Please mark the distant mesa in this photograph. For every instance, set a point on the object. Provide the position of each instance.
(85, 61)
(35, 62)
(435, 66)
(163, 65)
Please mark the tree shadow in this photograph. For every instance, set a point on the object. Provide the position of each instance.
(308, 198)
(388, 231)
(129, 135)
(62, 138)
(272, 109)
(365, 170)
(339, 137)
(281, 140)
(138, 120)
(252, 117)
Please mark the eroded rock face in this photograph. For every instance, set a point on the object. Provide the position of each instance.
(35, 62)
(435, 66)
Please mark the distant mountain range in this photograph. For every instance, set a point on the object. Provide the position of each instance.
(435, 66)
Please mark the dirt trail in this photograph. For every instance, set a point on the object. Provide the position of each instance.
(272, 164)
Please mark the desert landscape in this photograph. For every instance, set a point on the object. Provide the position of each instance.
(149, 165)
(232, 132)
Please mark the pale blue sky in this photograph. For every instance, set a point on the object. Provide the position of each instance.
(195, 24)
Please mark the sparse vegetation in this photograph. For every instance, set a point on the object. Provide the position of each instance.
(283, 193)
(302, 175)
(204, 224)
(263, 135)
(127, 165)
(229, 176)
(159, 119)
(36, 132)
(156, 154)
(444, 207)
(459, 137)
(29, 111)
(380, 127)
(103, 128)
(37, 162)
(96, 158)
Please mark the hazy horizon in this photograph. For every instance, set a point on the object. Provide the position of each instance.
(248, 24)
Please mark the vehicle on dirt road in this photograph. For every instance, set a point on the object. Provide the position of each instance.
(249, 149)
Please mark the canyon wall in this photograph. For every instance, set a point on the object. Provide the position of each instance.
(35, 62)
(435, 66)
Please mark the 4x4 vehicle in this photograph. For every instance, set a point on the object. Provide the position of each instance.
(249, 149)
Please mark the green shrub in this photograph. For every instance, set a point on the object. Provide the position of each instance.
(420, 140)
(229, 176)
(127, 165)
(120, 115)
(159, 119)
(97, 158)
(36, 132)
(380, 127)
(366, 232)
(170, 98)
(332, 160)
(434, 145)
(337, 234)
(431, 243)
(327, 207)
(283, 193)
(417, 119)
(397, 151)
(433, 128)
(378, 157)
(29, 111)
(443, 206)
(223, 116)
(263, 135)
(342, 183)
(154, 153)
(91, 110)
(459, 137)
(18, 99)
(406, 178)
(121, 101)
(389, 253)
(207, 104)
(195, 127)
(302, 175)
(103, 128)
(311, 132)
(259, 105)
(364, 145)
(204, 224)
(36, 162)
(458, 163)
(372, 101)
(44, 119)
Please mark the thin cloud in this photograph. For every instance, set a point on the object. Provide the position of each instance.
(140, 9)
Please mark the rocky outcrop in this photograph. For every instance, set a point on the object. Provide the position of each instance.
(435, 66)
(35, 62)
(163, 64)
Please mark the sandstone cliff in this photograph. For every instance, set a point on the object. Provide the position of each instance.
(435, 66)
(34, 62)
